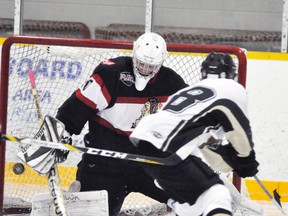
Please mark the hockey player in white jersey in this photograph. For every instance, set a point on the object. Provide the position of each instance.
(196, 118)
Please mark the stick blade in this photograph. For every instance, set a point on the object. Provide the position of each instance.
(277, 197)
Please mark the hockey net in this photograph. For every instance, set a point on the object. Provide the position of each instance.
(60, 66)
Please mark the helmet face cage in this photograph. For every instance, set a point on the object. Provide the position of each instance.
(218, 65)
(145, 69)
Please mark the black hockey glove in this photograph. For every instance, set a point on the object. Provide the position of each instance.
(243, 166)
(59, 154)
(246, 166)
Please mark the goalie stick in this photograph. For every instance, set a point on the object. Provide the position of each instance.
(171, 160)
(52, 175)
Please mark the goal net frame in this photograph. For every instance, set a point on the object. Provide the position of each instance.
(184, 49)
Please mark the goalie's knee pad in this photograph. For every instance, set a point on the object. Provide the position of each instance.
(216, 199)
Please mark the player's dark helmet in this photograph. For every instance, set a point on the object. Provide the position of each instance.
(218, 65)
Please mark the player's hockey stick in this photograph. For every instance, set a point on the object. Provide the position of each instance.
(171, 160)
(269, 195)
(52, 175)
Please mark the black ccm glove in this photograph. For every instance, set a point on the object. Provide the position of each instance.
(243, 166)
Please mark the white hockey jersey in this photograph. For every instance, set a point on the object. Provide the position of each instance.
(213, 107)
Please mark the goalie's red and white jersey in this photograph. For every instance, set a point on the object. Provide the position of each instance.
(212, 107)
(113, 106)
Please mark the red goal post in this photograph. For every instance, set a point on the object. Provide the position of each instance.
(60, 66)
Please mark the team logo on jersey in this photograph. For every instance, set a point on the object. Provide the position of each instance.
(150, 107)
(127, 78)
(108, 62)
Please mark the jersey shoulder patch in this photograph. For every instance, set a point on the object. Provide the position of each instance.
(108, 62)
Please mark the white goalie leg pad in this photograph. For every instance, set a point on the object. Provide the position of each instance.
(218, 196)
(77, 203)
(41, 159)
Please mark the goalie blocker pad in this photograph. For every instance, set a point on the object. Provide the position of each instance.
(41, 159)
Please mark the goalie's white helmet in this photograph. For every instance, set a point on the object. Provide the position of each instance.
(149, 53)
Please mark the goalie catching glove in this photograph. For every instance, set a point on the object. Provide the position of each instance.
(42, 159)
